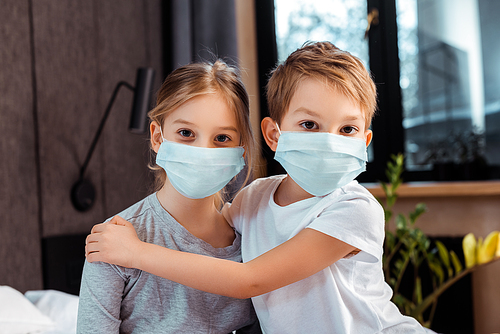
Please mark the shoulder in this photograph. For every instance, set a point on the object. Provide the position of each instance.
(358, 196)
(263, 183)
(356, 189)
(142, 215)
(258, 190)
(136, 210)
(250, 198)
(355, 202)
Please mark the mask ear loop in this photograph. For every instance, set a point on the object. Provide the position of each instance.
(278, 127)
(161, 133)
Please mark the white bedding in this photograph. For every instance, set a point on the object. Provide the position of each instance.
(39, 311)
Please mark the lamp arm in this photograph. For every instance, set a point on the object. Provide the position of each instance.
(101, 125)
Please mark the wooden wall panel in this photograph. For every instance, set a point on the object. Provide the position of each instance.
(20, 257)
(124, 41)
(84, 49)
(81, 50)
(68, 89)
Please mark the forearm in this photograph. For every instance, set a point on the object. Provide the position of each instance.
(213, 275)
(302, 256)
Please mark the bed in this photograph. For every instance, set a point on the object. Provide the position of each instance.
(38, 311)
(54, 309)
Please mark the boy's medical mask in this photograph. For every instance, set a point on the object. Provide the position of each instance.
(198, 172)
(321, 162)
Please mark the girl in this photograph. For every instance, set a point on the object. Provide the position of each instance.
(200, 132)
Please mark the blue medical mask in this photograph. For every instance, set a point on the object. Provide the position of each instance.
(320, 162)
(198, 172)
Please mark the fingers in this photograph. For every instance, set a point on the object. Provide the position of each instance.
(90, 245)
(98, 228)
(92, 238)
(117, 220)
(89, 254)
(93, 257)
(91, 248)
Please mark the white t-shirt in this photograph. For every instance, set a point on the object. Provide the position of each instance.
(350, 296)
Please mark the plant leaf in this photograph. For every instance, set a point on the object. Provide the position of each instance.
(456, 262)
(388, 215)
(444, 255)
(418, 290)
(437, 270)
(390, 241)
(401, 222)
(420, 208)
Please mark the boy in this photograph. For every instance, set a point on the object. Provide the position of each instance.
(311, 239)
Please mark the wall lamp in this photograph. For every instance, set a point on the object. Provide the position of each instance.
(83, 192)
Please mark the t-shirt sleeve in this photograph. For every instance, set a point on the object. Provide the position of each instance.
(357, 220)
(101, 293)
(227, 213)
(232, 211)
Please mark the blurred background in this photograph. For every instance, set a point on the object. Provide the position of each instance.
(436, 64)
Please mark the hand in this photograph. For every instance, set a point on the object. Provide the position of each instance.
(114, 242)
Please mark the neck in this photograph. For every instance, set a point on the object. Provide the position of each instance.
(199, 216)
(186, 210)
(289, 192)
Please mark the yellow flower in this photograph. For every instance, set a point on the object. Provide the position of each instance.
(469, 246)
(486, 250)
(498, 247)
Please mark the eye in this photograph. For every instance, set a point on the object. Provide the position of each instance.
(349, 130)
(309, 125)
(185, 133)
(222, 138)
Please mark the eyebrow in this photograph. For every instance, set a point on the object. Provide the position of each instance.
(315, 114)
(182, 121)
(352, 118)
(304, 110)
(229, 128)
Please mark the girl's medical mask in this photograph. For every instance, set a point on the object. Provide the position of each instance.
(320, 162)
(198, 172)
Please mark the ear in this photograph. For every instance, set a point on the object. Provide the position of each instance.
(156, 138)
(368, 137)
(270, 132)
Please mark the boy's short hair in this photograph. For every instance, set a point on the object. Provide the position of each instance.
(323, 61)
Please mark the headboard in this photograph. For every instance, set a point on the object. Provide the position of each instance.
(62, 262)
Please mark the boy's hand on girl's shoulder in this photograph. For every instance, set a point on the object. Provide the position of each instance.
(114, 242)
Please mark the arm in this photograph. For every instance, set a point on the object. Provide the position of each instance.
(100, 299)
(305, 254)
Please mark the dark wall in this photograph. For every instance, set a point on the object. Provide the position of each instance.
(59, 63)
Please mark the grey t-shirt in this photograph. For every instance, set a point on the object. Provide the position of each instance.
(115, 299)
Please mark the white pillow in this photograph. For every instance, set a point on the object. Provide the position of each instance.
(18, 315)
(60, 307)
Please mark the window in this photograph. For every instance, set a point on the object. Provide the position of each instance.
(298, 21)
(450, 82)
(437, 72)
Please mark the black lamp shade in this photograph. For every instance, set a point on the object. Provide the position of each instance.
(142, 99)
